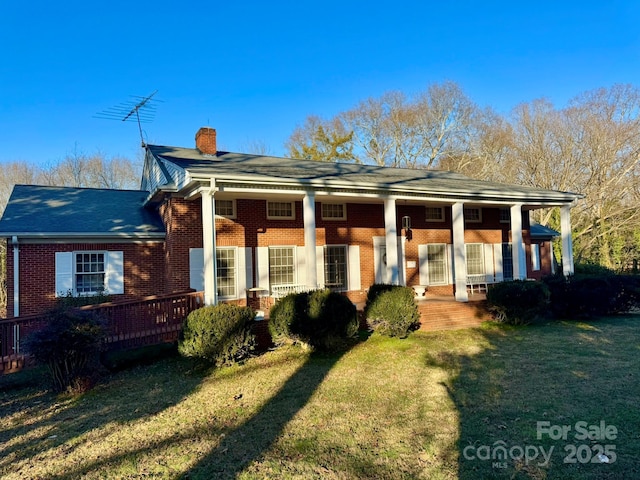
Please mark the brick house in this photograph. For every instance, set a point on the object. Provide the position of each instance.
(276, 225)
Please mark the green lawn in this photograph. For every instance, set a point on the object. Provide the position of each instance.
(431, 406)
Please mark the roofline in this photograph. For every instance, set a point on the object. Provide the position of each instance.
(91, 235)
(556, 196)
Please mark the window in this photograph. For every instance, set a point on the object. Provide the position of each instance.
(507, 261)
(226, 272)
(280, 210)
(226, 208)
(535, 257)
(434, 214)
(281, 266)
(334, 211)
(505, 215)
(89, 272)
(473, 214)
(437, 264)
(475, 259)
(335, 266)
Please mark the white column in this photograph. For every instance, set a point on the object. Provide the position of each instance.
(459, 252)
(567, 242)
(391, 240)
(309, 216)
(516, 240)
(209, 245)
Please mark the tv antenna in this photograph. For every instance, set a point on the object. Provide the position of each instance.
(140, 110)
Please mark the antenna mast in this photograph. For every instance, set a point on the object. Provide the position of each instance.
(141, 110)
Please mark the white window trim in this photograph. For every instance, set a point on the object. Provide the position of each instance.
(446, 267)
(65, 273)
(233, 207)
(344, 212)
(467, 220)
(346, 259)
(427, 219)
(295, 261)
(278, 217)
(236, 273)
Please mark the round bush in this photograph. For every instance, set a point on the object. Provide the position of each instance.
(518, 302)
(321, 319)
(391, 310)
(220, 334)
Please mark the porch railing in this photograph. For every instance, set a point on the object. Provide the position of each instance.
(145, 321)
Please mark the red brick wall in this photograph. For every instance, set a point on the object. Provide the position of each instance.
(143, 272)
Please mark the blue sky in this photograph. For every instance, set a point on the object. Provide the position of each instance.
(255, 70)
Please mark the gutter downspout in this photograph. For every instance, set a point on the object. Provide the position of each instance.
(16, 276)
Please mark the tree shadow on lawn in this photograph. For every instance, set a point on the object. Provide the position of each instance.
(250, 440)
(561, 373)
(63, 418)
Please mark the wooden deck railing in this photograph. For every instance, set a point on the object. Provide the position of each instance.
(135, 323)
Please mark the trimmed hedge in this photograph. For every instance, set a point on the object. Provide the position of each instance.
(518, 302)
(391, 310)
(322, 319)
(593, 295)
(220, 334)
(69, 345)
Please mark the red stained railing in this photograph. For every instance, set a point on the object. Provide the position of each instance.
(130, 324)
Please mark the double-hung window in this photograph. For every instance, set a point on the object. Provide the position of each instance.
(282, 265)
(226, 272)
(437, 263)
(89, 273)
(475, 259)
(507, 261)
(335, 266)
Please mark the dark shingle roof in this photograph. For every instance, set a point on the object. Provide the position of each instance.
(270, 169)
(540, 231)
(40, 211)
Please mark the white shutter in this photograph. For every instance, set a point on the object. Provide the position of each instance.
(423, 259)
(353, 255)
(244, 272)
(497, 253)
(196, 269)
(301, 266)
(489, 270)
(320, 266)
(64, 273)
(523, 262)
(262, 267)
(535, 257)
(114, 274)
(248, 266)
(451, 269)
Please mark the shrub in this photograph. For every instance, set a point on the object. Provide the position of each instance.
(391, 310)
(69, 300)
(220, 334)
(593, 295)
(518, 302)
(69, 345)
(321, 319)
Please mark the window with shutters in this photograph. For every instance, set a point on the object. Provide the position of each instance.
(437, 263)
(475, 259)
(281, 265)
(226, 272)
(89, 272)
(335, 266)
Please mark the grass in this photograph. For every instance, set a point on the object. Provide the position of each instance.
(386, 409)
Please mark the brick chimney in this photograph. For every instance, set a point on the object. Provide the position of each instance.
(206, 140)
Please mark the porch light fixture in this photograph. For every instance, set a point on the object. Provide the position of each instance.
(406, 224)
